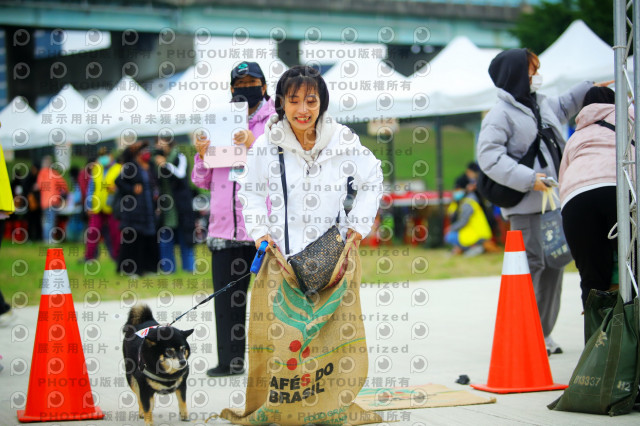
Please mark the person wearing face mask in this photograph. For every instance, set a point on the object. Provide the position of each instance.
(507, 132)
(469, 227)
(227, 238)
(103, 174)
(139, 251)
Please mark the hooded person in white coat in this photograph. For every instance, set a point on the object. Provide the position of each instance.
(319, 156)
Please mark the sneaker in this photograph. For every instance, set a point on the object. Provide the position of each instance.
(222, 371)
(552, 347)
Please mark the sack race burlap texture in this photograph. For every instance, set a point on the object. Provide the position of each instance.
(307, 355)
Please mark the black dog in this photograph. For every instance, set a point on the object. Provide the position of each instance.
(156, 360)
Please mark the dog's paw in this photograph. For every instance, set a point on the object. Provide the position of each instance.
(184, 416)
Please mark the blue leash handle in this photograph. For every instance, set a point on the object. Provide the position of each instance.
(257, 261)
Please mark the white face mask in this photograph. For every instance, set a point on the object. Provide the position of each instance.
(536, 82)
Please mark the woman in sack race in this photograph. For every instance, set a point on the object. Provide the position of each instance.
(588, 190)
(507, 132)
(302, 164)
(227, 239)
(319, 155)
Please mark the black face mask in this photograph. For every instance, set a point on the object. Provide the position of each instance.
(252, 94)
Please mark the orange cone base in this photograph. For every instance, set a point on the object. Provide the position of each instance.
(551, 387)
(60, 416)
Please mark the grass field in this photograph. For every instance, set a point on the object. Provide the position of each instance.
(22, 266)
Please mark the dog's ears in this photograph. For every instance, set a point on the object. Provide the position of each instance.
(187, 333)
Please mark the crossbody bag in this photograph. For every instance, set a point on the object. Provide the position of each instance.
(314, 265)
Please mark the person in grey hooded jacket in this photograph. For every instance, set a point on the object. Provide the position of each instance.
(507, 132)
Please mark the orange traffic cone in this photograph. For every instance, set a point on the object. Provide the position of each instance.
(519, 361)
(59, 387)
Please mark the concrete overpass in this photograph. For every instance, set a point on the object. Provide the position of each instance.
(388, 21)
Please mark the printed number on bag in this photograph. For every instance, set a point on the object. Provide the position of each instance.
(624, 386)
(587, 380)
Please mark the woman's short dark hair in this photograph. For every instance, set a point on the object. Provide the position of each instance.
(296, 77)
(599, 95)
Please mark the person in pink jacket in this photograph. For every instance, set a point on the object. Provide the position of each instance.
(588, 190)
(231, 247)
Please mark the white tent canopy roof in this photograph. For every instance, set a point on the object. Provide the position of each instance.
(577, 55)
(18, 122)
(456, 80)
(62, 119)
(364, 89)
(127, 107)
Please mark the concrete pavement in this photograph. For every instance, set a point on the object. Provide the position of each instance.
(441, 329)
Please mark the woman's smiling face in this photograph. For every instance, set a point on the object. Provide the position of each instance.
(302, 108)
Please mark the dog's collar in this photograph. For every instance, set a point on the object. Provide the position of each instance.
(152, 376)
(142, 366)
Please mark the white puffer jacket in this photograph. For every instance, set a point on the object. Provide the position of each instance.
(316, 189)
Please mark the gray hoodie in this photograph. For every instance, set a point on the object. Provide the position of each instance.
(507, 131)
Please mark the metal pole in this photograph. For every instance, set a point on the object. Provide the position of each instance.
(636, 90)
(622, 187)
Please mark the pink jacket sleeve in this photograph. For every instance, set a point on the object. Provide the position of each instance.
(200, 175)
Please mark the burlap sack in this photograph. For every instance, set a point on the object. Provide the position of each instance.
(307, 356)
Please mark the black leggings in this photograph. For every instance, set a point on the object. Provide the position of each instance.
(231, 305)
(587, 219)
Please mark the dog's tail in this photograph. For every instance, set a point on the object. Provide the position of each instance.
(137, 315)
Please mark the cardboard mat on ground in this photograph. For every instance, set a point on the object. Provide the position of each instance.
(415, 397)
(307, 355)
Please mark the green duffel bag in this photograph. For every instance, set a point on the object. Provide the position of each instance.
(605, 381)
(599, 303)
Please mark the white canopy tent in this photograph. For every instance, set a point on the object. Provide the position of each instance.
(62, 120)
(456, 81)
(127, 107)
(18, 122)
(366, 89)
(577, 55)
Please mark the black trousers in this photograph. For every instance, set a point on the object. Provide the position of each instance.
(587, 219)
(231, 305)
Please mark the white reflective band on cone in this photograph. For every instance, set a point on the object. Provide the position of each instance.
(515, 263)
(55, 281)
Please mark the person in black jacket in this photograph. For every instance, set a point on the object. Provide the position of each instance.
(137, 186)
(177, 220)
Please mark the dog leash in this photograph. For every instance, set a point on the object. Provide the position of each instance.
(255, 268)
